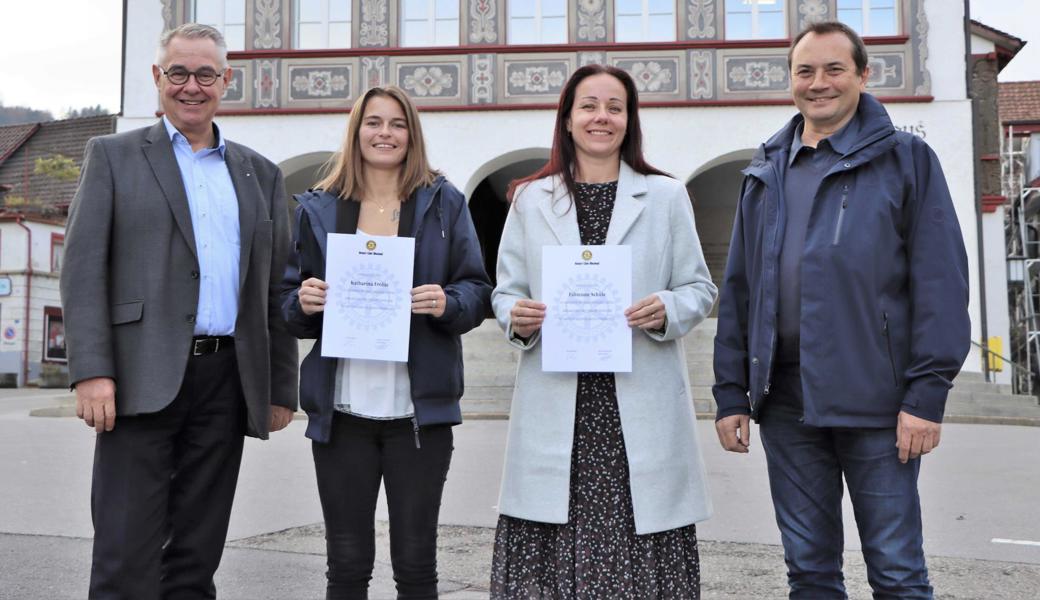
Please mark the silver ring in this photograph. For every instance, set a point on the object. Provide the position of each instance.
(433, 303)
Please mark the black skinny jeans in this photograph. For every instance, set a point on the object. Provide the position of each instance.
(360, 453)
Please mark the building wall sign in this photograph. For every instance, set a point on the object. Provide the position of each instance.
(5, 286)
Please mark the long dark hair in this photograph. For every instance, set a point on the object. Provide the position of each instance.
(563, 154)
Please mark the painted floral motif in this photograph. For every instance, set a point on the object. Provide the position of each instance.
(592, 21)
(427, 81)
(268, 24)
(167, 15)
(701, 85)
(591, 58)
(923, 75)
(373, 69)
(319, 83)
(482, 79)
(233, 90)
(375, 31)
(650, 76)
(883, 73)
(757, 74)
(536, 79)
(482, 26)
(701, 16)
(266, 84)
(811, 11)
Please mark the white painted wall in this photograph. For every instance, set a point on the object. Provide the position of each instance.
(981, 45)
(998, 322)
(143, 27)
(946, 49)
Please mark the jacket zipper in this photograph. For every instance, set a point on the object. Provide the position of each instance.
(415, 430)
(888, 344)
(841, 214)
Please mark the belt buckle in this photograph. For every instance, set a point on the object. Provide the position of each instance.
(205, 346)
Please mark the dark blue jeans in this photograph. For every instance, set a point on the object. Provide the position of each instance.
(806, 465)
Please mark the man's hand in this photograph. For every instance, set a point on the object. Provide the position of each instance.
(96, 403)
(280, 417)
(734, 433)
(916, 436)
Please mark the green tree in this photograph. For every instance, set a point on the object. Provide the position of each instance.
(58, 166)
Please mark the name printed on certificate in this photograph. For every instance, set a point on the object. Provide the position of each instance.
(586, 290)
(368, 304)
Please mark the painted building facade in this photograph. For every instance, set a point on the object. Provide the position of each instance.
(712, 76)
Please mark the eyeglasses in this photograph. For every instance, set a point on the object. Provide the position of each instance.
(179, 76)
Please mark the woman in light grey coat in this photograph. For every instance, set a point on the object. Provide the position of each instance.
(603, 475)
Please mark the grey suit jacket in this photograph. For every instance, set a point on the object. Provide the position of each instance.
(130, 282)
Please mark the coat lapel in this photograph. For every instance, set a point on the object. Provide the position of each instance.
(159, 152)
(559, 212)
(629, 203)
(247, 190)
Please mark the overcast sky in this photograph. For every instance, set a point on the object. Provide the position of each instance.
(62, 54)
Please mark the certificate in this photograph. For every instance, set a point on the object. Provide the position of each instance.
(368, 303)
(586, 290)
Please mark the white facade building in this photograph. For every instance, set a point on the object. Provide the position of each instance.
(712, 75)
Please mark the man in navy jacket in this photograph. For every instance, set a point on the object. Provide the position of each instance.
(843, 321)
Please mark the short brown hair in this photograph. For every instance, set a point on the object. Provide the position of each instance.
(346, 173)
(859, 49)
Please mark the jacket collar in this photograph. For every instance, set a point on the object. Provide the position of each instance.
(562, 217)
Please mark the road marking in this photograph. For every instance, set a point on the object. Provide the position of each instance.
(1017, 542)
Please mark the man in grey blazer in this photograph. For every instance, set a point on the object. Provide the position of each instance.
(175, 246)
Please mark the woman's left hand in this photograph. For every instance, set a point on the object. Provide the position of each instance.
(647, 313)
(428, 299)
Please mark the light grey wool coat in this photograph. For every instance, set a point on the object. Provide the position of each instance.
(653, 215)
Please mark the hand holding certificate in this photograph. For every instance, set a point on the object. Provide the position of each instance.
(587, 289)
(368, 310)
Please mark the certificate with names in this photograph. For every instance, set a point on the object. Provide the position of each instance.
(586, 290)
(368, 306)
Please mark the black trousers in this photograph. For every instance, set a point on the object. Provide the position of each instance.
(349, 468)
(163, 488)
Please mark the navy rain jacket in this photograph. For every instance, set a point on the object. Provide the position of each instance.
(446, 253)
(884, 295)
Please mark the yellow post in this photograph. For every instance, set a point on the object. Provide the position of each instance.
(996, 346)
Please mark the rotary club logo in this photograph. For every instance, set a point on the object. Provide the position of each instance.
(586, 255)
(370, 245)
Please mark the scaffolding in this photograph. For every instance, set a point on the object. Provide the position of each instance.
(1022, 233)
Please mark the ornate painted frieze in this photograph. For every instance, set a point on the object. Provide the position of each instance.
(169, 17)
(702, 74)
(309, 82)
(482, 79)
(591, 58)
(811, 11)
(375, 23)
(235, 92)
(266, 83)
(886, 71)
(433, 80)
(700, 20)
(591, 21)
(919, 43)
(755, 73)
(373, 71)
(482, 21)
(539, 78)
(654, 75)
(267, 24)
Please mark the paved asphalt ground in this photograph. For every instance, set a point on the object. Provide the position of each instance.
(981, 486)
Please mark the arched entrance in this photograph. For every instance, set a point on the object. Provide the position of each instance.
(714, 188)
(486, 192)
(302, 172)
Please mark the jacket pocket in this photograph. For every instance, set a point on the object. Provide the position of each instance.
(888, 346)
(841, 214)
(127, 312)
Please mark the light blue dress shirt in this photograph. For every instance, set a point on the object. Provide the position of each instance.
(214, 220)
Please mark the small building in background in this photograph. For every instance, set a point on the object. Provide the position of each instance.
(39, 170)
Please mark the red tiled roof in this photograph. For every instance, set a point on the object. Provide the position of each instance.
(1019, 101)
(13, 136)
